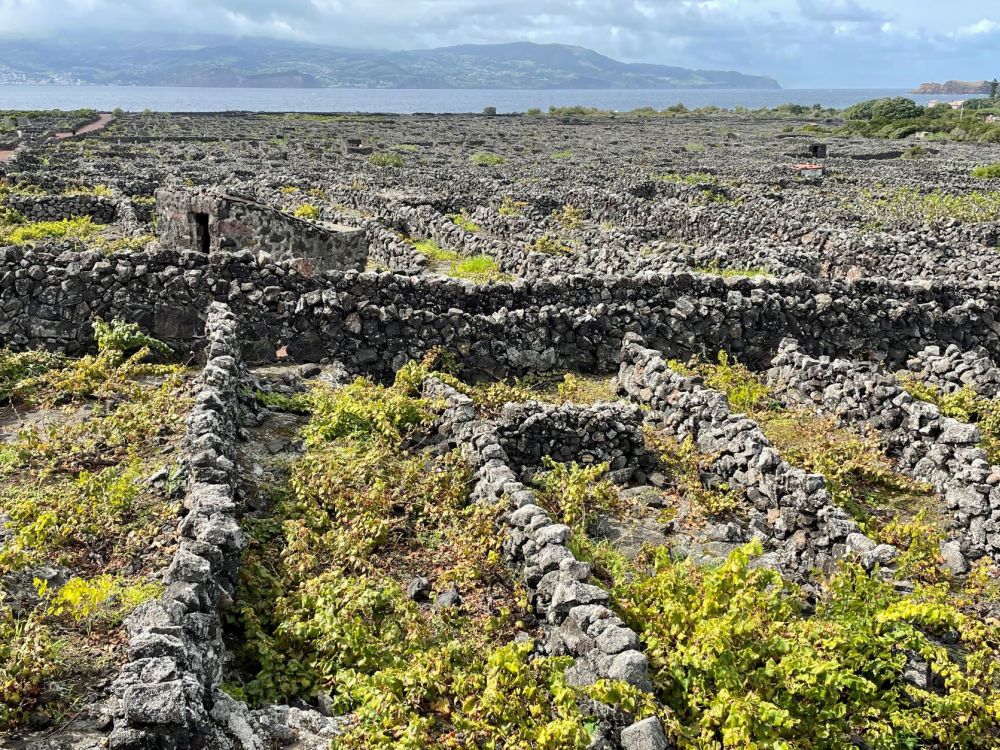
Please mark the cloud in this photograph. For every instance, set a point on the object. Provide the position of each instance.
(839, 11)
(980, 28)
(804, 43)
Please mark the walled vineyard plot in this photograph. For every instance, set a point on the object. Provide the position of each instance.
(496, 432)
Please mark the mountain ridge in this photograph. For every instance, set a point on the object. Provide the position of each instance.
(203, 60)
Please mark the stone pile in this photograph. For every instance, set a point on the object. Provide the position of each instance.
(954, 370)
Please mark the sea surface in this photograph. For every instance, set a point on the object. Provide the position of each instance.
(405, 101)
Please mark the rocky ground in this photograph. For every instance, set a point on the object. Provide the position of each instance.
(627, 435)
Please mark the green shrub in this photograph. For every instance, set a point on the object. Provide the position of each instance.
(574, 494)
(894, 108)
(100, 191)
(465, 221)
(511, 207)
(320, 609)
(717, 270)
(387, 159)
(478, 268)
(741, 665)
(859, 476)
(683, 466)
(987, 172)
(549, 246)
(20, 234)
(569, 217)
(744, 389)
(964, 405)
(28, 658)
(907, 205)
(365, 410)
(433, 251)
(307, 211)
(694, 178)
(18, 366)
(487, 160)
(123, 338)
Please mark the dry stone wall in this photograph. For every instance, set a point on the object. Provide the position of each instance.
(954, 370)
(166, 692)
(168, 696)
(376, 322)
(791, 510)
(603, 433)
(576, 612)
(927, 445)
(61, 207)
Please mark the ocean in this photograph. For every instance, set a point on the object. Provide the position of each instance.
(405, 101)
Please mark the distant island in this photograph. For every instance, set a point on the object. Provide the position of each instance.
(172, 59)
(963, 88)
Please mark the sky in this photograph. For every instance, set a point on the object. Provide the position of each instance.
(802, 43)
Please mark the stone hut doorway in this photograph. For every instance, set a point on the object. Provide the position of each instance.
(202, 236)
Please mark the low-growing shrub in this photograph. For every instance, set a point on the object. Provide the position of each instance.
(511, 207)
(569, 217)
(744, 389)
(859, 476)
(487, 160)
(683, 465)
(549, 246)
(478, 268)
(28, 656)
(100, 191)
(387, 159)
(987, 172)
(736, 658)
(366, 410)
(18, 366)
(65, 229)
(433, 251)
(717, 270)
(307, 211)
(321, 608)
(465, 221)
(574, 494)
(964, 405)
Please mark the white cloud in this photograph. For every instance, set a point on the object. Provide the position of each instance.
(983, 26)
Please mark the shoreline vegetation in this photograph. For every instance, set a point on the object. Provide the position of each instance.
(894, 118)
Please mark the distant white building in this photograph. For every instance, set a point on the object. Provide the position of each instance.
(809, 170)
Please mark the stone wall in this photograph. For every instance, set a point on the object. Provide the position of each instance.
(954, 370)
(576, 613)
(925, 444)
(168, 695)
(59, 207)
(219, 224)
(790, 509)
(603, 433)
(166, 692)
(377, 322)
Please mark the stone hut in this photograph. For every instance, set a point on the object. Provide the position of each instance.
(215, 222)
